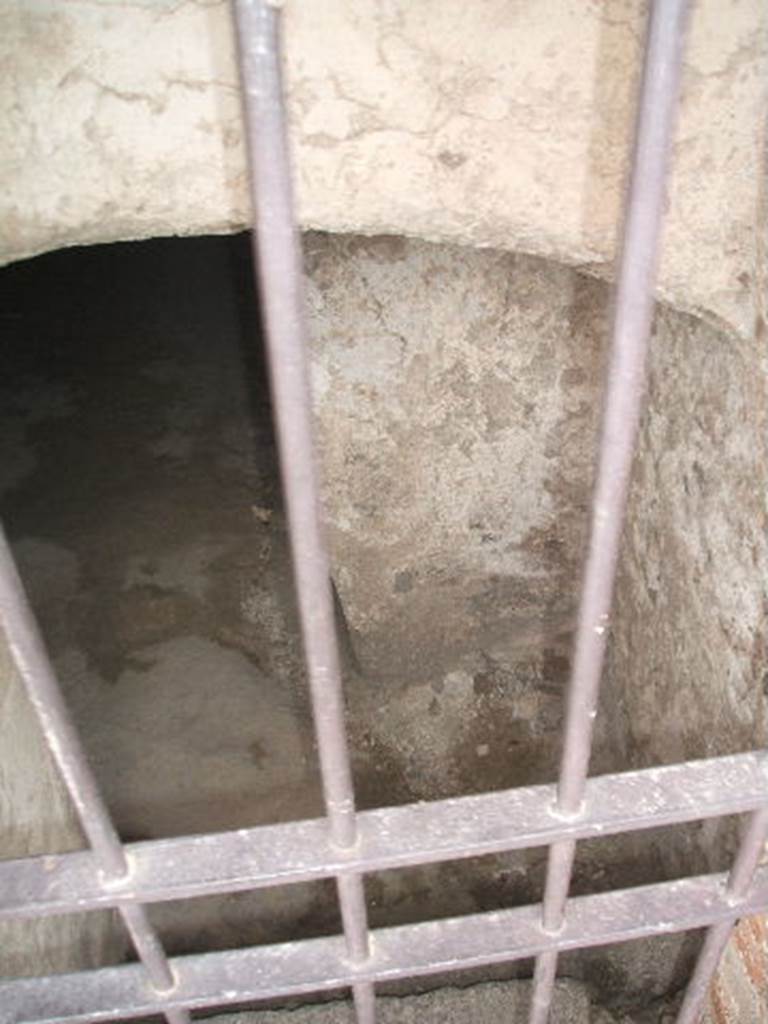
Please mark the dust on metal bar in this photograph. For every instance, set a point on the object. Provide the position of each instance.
(277, 255)
(742, 873)
(390, 837)
(621, 414)
(108, 863)
(313, 965)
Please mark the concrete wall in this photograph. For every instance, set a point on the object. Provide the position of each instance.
(457, 397)
(36, 817)
(494, 123)
(688, 657)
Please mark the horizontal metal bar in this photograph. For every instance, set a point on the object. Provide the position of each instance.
(245, 975)
(171, 869)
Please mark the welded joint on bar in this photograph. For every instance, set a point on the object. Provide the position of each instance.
(354, 847)
(363, 964)
(557, 811)
(112, 882)
(551, 932)
(165, 990)
(352, 852)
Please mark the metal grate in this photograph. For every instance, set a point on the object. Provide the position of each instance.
(345, 844)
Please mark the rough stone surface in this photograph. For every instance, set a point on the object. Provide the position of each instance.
(687, 667)
(457, 397)
(496, 124)
(689, 633)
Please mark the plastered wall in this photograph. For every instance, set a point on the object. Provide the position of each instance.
(496, 123)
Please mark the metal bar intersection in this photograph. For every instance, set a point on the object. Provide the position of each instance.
(312, 965)
(389, 837)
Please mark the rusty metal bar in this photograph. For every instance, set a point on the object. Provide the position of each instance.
(313, 965)
(278, 258)
(109, 863)
(739, 880)
(621, 415)
(391, 837)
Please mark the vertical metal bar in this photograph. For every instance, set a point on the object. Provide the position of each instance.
(742, 872)
(750, 852)
(621, 414)
(40, 683)
(277, 256)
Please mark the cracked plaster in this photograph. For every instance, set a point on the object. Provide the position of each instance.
(492, 124)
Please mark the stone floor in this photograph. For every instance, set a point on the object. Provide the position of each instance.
(138, 486)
